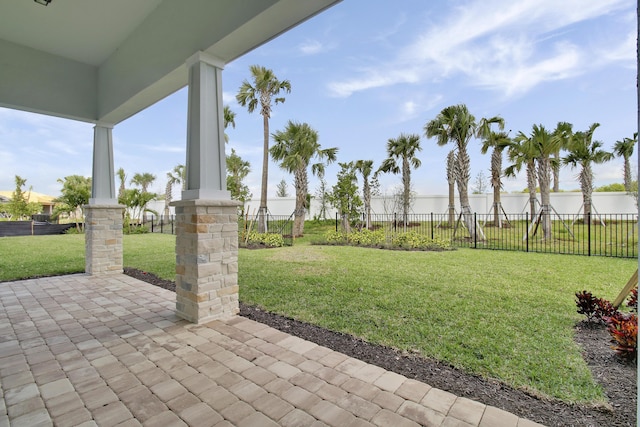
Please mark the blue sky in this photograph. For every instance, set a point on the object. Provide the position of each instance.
(368, 70)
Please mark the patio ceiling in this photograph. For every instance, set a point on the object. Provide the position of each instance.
(103, 61)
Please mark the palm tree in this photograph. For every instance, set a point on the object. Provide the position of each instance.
(365, 167)
(237, 171)
(144, 180)
(294, 148)
(546, 144)
(583, 152)
(451, 180)
(402, 157)
(265, 88)
(522, 152)
(457, 125)
(498, 141)
(563, 130)
(176, 176)
(229, 119)
(624, 149)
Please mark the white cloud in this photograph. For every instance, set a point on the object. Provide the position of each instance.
(506, 46)
(311, 47)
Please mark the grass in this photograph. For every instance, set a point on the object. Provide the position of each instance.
(503, 315)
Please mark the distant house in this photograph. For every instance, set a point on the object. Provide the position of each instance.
(47, 202)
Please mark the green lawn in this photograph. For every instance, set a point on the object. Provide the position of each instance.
(504, 315)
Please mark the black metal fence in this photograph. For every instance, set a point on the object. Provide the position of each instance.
(160, 224)
(277, 224)
(611, 235)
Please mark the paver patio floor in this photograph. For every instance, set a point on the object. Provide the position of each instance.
(81, 350)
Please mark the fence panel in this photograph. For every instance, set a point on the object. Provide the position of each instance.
(610, 235)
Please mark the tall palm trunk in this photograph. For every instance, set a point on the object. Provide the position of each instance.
(462, 177)
(301, 200)
(531, 185)
(544, 178)
(451, 179)
(586, 185)
(496, 172)
(406, 183)
(556, 172)
(627, 174)
(167, 198)
(262, 215)
(367, 202)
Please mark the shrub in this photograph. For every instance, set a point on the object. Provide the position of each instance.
(413, 240)
(622, 327)
(586, 303)
(624, 335)
(367, 238)
(335, 237)
(269, 240)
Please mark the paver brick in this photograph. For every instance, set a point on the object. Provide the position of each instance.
(331, 414)
(183, 402)
(439, 400)
(361, 388)
(389, 381)
(238, 411)
(386, 418)
(297, 418)
(300, 398)
(201, 415)
(388, 400)
(111, 414)
(467, 410)
(421, 414)
(272, 406)
(168, 390)
(164, 419)
(358, 406)
(64, 403)
(257, 420)
(413, 390)
(494, 417)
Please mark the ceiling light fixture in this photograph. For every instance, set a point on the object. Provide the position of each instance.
(43, 2)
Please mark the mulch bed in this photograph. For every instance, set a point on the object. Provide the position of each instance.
(618, 378)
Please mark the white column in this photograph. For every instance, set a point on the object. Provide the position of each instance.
(206, 161)
(103, 189)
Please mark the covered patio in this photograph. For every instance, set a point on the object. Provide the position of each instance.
(86, 350)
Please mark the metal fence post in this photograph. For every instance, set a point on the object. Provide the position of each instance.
(336, 222)
(475, 231)
(431, 225)
(526, 229)
(589, 233)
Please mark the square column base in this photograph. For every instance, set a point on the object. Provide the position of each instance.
(103, 239)
(206, 259)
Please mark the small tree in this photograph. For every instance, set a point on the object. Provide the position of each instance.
(281, 189)
(480, 184)
(322, 195)
(365, 167)
(344, 196)
(76, 191)
(20, 207)
(237, 171)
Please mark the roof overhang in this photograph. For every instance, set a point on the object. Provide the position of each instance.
(103, 61)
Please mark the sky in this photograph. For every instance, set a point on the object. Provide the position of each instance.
(365, 71)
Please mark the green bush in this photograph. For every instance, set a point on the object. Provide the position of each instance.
(367, 237)
(269, 240)
(413, 240)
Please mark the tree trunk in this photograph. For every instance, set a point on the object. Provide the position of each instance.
(627, 175)
(496, 172)
(406, 184)
(586, 185)
(462, 175)
(451, 179)
(544, 178)
(452, 203)
(531, 185)
(367, 202)
(556, 173)
(262, 215)
(301, 201)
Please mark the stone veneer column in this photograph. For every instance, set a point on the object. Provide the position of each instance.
(103, 239)
(206, 259)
